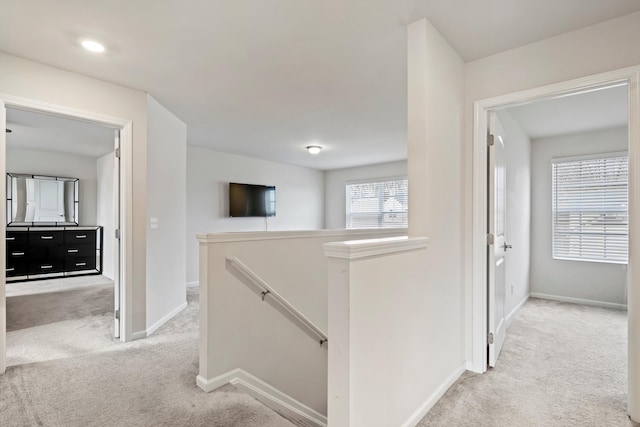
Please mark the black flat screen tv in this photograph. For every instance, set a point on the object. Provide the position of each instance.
(251, 200)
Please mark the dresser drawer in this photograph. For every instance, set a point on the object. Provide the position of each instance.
(16, 268)
(45, 238)
(80, 263)
(17, 238)
(73, 237)
(46, 266)
(17, 253)
(78, 250)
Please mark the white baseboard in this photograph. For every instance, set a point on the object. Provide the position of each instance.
(138, 335)
(419, 414)
(151, 329)
(580, 301)
(517, 308)
(469, 367)
(267, 395)
(193, 284)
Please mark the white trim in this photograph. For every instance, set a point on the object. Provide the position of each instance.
(375, 180)
(60, 110)
(478, 315)
(581, 301)
(301, 234)
(126, 193)
(193, 284)
(593, 156)
(266, 394)
(126, 232)
(3, 245)
(516, 309)
(151, 329)
(137, 335)
(357, 249)
(419, 414)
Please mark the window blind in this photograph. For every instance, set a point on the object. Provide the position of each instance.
(590, 209)
(379, 204)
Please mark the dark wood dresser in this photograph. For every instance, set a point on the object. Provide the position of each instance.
(46, 252)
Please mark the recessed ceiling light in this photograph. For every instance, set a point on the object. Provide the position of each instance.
(314, 149)
(93, 46)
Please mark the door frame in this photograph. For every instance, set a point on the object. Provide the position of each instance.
(126, 203)
(478, 314)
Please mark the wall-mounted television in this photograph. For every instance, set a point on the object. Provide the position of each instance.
(251, 200)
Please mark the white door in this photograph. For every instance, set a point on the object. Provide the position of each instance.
(497, 245)
(3, 245)
(49, 198)
(116, 225)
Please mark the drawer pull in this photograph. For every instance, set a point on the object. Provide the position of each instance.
(10, 239)
(9, 270)
(72, 251)
(81, 236)
(17, 253)
(46, 267)
(46, 237)
(80, 264)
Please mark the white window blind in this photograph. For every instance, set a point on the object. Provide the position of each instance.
(590, 208)
(379, 204)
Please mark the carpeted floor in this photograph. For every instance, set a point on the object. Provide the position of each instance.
(561, 365)
(66, 370)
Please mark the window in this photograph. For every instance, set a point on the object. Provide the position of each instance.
(590, 208)
(378, 204)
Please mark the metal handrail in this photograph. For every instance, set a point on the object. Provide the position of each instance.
(276, 297)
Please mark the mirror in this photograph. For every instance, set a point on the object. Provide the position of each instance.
(41, 200)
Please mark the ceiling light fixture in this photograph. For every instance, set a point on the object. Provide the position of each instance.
(93, 46)
(313, 149)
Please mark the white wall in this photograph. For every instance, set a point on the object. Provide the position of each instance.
(518, 215)
(435, 149)
(27, 79)
(105, 216)
(380, 354)
(238, 330)
(166, 202)
(595, 49)
(299, 196)
(594, 281)
(336, 179)
(37, 162)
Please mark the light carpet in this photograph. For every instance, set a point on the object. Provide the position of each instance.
(66, 370)
(561, 365)
(44, 286)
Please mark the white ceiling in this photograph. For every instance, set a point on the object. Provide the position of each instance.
(599, 109)
(266, 78)
(37, 131)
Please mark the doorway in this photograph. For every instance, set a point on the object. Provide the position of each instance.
(481, 310)
(120, 188)
(566, 211)
(61, 182)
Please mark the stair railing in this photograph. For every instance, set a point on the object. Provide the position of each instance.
(280, 302)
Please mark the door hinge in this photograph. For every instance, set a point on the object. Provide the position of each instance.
(117, 153)
(117, 233)
(490, 140)
(490, 338)
(118, 314)
(490, 239)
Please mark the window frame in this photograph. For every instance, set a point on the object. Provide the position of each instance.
(373, 181)
(579, 158)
